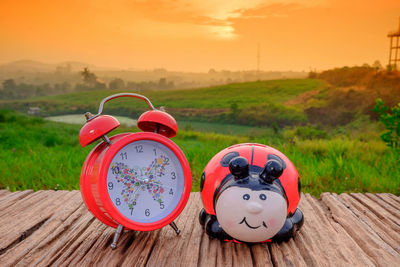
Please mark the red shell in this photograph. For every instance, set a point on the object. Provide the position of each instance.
(153, 119)
(257, 155)
(97, 127)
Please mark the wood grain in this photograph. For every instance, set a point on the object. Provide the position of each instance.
(54, 228)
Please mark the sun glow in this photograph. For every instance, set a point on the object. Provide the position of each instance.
(223, 32)
(198, 35)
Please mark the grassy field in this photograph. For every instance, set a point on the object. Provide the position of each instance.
(261, 102)
(222, 96)
(41, 154)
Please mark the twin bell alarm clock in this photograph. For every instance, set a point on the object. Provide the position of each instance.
(138, 181)
(250, 193)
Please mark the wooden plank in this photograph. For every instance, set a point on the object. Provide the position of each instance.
(4, 193)
(20, 222)
(208, 252)
(261, 255)
(138, 253)
(363, 213)
(23, 201)
(286, 254)
(12, 199)
(84, 243)
(379, 207)
(387, 199)
(100, 246)
(351, 230)
(46, 234)
(394, 197)
(379, 251)
(320, 232)
(172, 250)
(65, 243)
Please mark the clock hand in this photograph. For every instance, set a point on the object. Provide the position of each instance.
(134, 194)
(160, 184)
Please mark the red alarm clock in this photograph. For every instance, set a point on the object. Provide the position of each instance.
(138, 181)
(250, 193)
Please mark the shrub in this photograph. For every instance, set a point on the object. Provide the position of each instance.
(269, 114)
(391, 120)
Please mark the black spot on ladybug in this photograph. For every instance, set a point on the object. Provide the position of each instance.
(227, 158)
(202, 179)
(275, 157)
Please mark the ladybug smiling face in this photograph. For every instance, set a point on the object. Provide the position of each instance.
(249, 215)
(250, 207)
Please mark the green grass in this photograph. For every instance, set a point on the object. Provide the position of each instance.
(224, 128)
(216, 97)
(39, 154)
(260, 103)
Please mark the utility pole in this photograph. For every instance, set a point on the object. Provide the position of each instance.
(394, 48)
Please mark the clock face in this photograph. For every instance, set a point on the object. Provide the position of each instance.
(145, 181)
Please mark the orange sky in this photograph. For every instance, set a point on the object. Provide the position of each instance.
(198, 35)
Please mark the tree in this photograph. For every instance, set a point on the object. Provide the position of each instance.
(9, 85)
(212, 71)
(9, 88)
(117, 84)
(391, 120)
(377, 65)
(89, 77)
(162, 83)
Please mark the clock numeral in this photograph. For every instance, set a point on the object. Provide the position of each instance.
(173, 175)
(131, 210)
(124, 155)
(139, 149)
(110, 186)
(155, 151)
(117, 201)
(162, 205)
(147, 212)
(115, 170)
(166, 160)
(171, 192)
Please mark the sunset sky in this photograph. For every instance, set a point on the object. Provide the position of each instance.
(200, 34)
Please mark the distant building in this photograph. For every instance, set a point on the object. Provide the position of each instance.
(34, 111)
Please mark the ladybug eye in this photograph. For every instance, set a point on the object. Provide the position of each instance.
(263, 197)
(246, 196)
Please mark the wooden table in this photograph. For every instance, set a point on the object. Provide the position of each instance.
(54, 228)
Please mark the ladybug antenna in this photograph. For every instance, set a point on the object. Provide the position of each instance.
(273, 169)
(239, 167)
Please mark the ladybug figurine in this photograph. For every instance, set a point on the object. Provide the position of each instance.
(250, 193)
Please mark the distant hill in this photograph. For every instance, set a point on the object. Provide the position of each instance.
(26, 66)
(30, 66)
(39, 73)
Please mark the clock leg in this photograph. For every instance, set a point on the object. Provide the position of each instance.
(117, 234)
(173, 225)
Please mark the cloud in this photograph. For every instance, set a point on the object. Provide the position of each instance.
(213, 19)
(218, 15)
